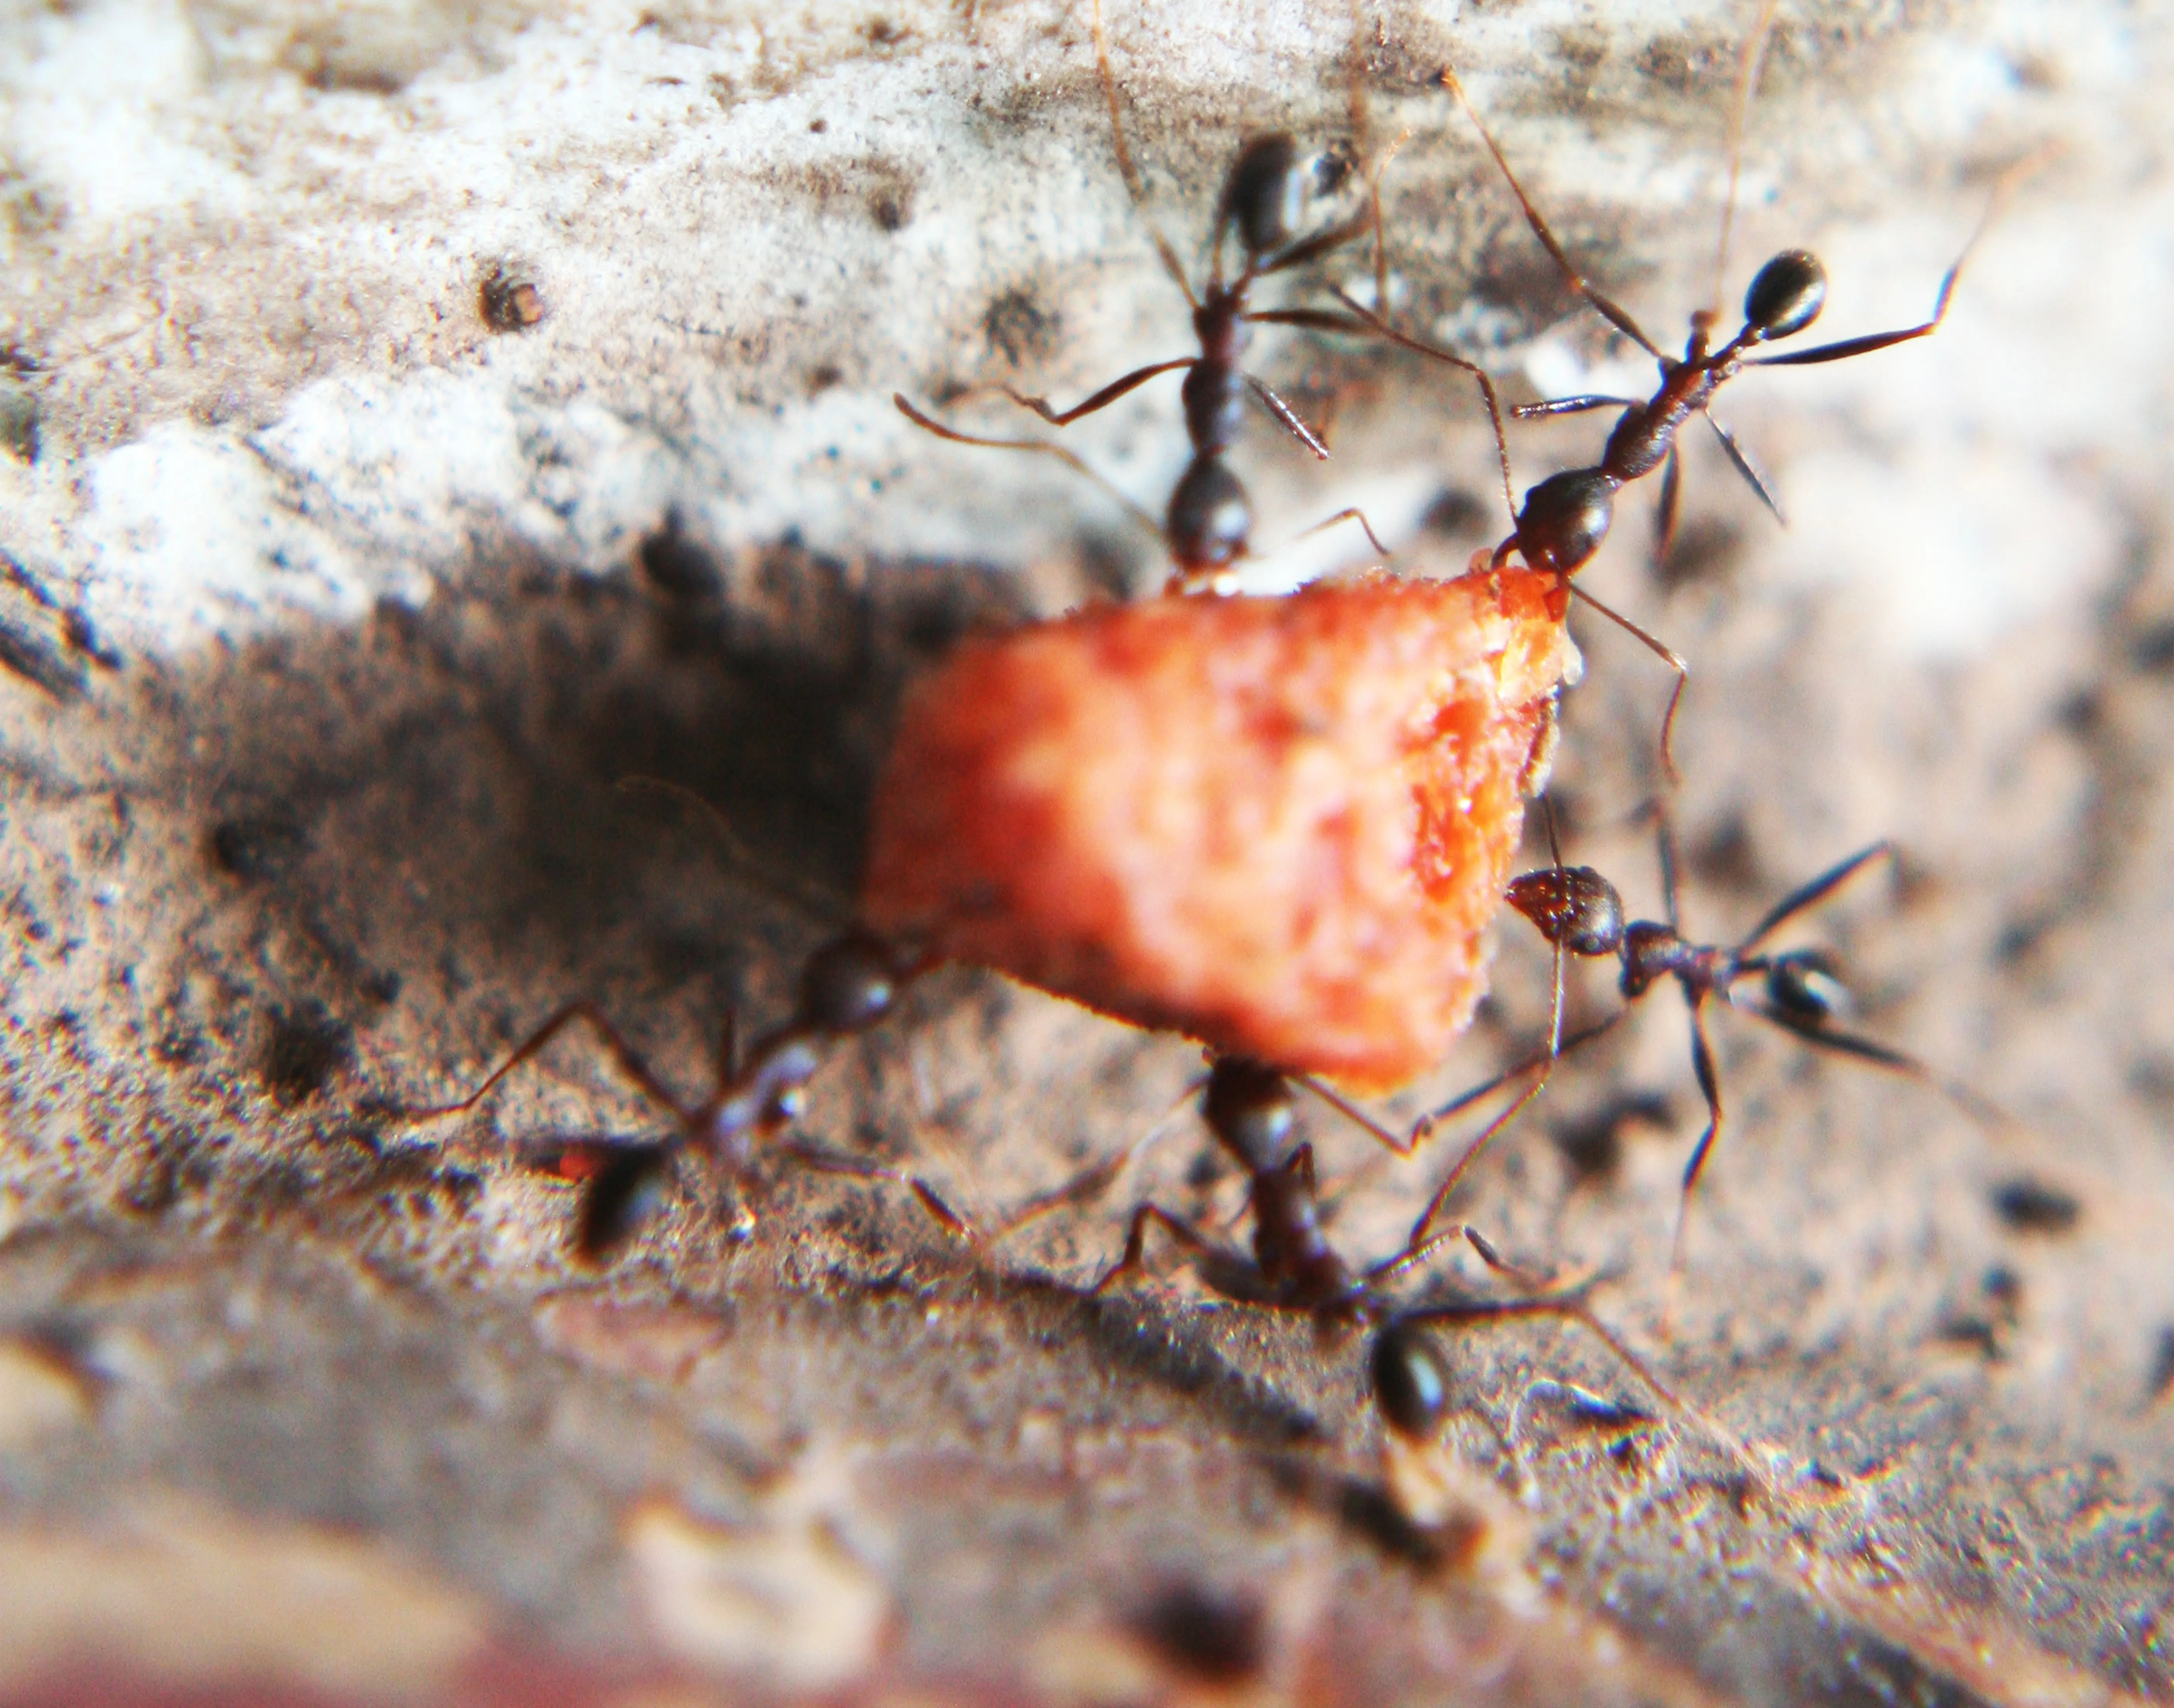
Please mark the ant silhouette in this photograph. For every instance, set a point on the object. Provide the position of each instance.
(1800, 990)
(1208, 527)
(1565, 517)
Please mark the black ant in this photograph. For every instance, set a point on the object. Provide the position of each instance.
(1251, 1110)
(1208, 524)
(1800, 990)
(846, 987)
(1565, 517)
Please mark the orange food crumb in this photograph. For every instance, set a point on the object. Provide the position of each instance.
(1279, 825)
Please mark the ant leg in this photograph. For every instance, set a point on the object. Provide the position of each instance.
(1579, 405)
(1669, 655)
(1136, 1239)
(1313, 248)
(1980, 1108)
(823, 1161)
(623, 1054)
(1672, 886)
(1709, 1082)
(1288, 419)
(1352, 514)
(1374, 323)
(1090, 1182)
(1671, 506)
(1617, 317)
(1102, 399)
(1041, 446)
(1746, 468)
(1518, 1105)
(1808, 894)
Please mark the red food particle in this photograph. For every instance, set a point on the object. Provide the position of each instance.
(1280, 826)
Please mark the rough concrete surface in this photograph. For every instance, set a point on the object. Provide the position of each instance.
(418, 419)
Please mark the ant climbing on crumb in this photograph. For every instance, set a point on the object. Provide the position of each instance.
(1799, 991)
(1208, 527)
(1564, 517)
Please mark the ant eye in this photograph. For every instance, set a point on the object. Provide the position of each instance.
(1787, 294)
(789, 1102)
(1264, 196)
(1808, 986)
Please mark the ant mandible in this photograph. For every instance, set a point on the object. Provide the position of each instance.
(1564, 517)
(1800, 990)
(1208, 527)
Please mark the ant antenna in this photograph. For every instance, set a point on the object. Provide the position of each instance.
(1747, 82)
(1135, 185)
(799, 893)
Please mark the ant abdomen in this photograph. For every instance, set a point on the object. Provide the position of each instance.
(1248, 1105)
(849, 984)
(1264, 194)
(1786, 295)
(1574, 907)
(1564, 519)
(1805, 986)
(622, 1197)
(1410, 1383)
(1210, 518)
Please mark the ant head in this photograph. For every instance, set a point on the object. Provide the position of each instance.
(1572, 906)
(1209, 519)
(1249, 1107)
(1786, 295)
(1564, 519)
(1805, 986)
(1263, 196)
(849, 984)
(1410, 1383)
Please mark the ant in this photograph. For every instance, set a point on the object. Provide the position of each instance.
(1800, 990)
(1208, 524)
(1251, 1111)
(1564, 518)
(846, 987)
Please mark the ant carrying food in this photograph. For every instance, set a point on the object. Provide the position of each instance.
(1208, 527)
(1564, 518)
(1800, 990)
